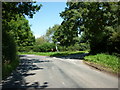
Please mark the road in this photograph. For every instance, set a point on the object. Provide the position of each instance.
(51, 72)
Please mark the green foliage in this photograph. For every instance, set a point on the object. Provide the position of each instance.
(41, 40)
(65, 35)
(109, 61)
(50, 32)
(97, 20)
(25, 49)
(75, 47)
(16, 31)
(10, 9)
(69, 48)
(7, 68)
(45, 47)
(62, 48)
(20, 29)
(84, 46)
(50, 47)
(8, 47)
(115, 40)
(36, 48)
(54, 53)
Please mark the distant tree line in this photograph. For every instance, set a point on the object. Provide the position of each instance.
(86, 26)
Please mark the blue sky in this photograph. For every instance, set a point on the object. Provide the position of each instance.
(46, 17)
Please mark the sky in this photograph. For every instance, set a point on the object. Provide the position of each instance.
(47, 17)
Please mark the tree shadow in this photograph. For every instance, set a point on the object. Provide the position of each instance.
(33, 86)
(16, 79)
(71, 56)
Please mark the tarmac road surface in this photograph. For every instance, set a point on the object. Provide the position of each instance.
(51, 72)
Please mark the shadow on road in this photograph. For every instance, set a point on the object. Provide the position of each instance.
(16, 79)
(72, 56)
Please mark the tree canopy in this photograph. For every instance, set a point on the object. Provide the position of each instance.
(98, 21)
(15, 28)
(50, 32)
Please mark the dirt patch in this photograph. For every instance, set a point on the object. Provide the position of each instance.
(102, 68)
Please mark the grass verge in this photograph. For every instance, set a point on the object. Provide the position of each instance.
(104, 60)
(7, 68)
(53, 53)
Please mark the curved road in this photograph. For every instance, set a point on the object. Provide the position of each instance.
(51, 72)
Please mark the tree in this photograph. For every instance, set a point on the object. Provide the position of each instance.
(65, 35)
(50, 32)
(98, 20)
(69, 28)
(20, 30)
(41, 40)
(11, 11)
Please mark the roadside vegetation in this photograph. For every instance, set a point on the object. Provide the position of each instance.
(16, 32)
(65, 53)
(86, 26)
(8, 67)
(105, 60)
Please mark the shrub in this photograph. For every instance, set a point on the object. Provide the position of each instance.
(8, 47)
(45, 47)
(76, 47)
(7, 68)
(71, 48)
(84, 46)
(25, 49)
(62, 48)
(9, 54)
(36, 48)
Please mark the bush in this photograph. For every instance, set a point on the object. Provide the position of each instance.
(9, 54)
(21, 49)
(84, 46)
(45, 47)
(25, 49)
(8, 47)
(36, 48)
(7, 68)
(62, 48)
(76, 47)
(71, 48)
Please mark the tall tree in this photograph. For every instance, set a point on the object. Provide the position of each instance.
(98, 20)
(50, 32)
(20, 30)
(66, 34)
(41, 40)
(11, 11)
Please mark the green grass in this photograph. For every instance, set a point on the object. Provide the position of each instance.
(53, 53)
(106, 60)
(8, 68)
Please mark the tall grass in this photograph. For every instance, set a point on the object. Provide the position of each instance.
(7, 68)
(106, 60)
